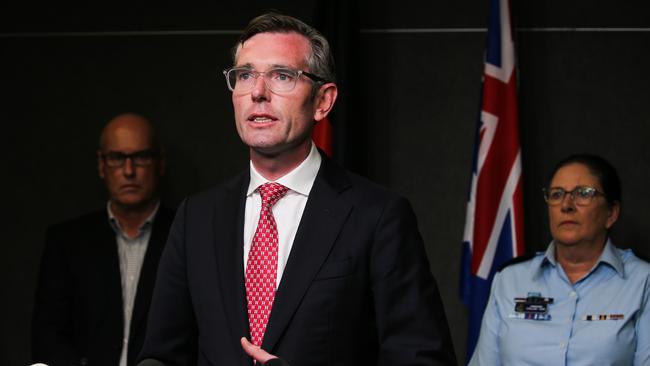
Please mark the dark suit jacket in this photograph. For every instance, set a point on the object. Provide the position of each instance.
(78, 311)
(356, 290)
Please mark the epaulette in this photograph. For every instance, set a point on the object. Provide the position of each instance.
(521, 258)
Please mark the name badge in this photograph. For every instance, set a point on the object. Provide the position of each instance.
(534, 306)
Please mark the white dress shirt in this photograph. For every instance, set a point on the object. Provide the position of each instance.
(287, 211)
(131, 252)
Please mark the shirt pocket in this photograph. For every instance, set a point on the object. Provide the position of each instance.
(607, 338)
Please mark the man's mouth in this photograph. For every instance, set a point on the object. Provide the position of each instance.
(261, 118)
(130, 187)
(568, 222)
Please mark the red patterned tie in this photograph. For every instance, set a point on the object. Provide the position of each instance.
(261, 269)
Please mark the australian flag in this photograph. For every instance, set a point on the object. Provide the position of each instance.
(494, 219)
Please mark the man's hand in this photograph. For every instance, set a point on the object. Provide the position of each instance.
(260, 355)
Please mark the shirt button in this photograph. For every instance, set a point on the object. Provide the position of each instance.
(572, 294)
(562, 344)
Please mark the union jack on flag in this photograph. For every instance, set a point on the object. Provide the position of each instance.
(494, 220)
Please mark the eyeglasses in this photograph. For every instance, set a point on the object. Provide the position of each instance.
(279, 79)
(116, 159)
(582, 196)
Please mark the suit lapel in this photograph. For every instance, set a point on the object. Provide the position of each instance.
(229, 249)
(106, 252)
(321, 222)
(159, 232)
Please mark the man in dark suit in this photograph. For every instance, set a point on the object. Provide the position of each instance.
(98, 270)
(314, 264)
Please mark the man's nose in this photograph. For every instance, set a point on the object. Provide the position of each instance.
(260, 92)
(128, 169)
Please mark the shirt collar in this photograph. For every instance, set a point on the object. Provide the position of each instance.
(115, 224)
(299, 180)
(610, 256)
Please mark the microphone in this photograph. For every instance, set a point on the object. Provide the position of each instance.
(82, 362)
(150, 362)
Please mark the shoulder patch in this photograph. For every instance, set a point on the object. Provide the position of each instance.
(520, 259)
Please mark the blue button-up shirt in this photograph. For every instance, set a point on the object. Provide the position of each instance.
(602, 319)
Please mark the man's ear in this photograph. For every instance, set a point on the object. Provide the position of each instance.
(325, 99)
(614, 212)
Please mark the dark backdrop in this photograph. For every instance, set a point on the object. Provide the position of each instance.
(64, 71)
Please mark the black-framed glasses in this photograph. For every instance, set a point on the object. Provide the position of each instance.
(278, 79)
(582, 195)
(116, 159)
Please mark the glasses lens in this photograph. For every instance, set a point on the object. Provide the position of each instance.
(240, 79)
(114, 159)
(583, 195)
(281, 80)
(143, 157)
(555, 195)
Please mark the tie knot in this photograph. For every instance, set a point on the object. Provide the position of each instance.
(271, 193)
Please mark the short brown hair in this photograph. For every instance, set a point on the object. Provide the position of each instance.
(320, 62)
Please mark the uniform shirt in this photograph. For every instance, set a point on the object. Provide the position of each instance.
(131, 252)
(602, 319)
(287, 211)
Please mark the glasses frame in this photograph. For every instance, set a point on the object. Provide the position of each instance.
(257, 74)
(151, 154)
(573, 194)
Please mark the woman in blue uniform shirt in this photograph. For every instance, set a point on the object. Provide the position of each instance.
(583, 301)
